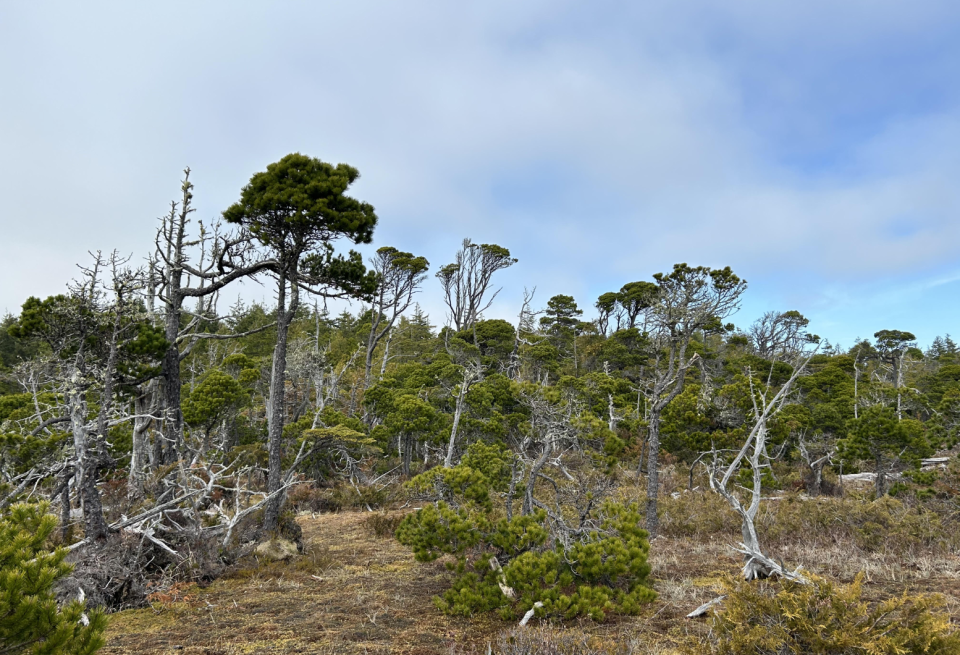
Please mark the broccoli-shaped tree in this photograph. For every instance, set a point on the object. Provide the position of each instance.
(209, 402)
(878, 436)
(892, 347)
(297, 209)
(399, 275)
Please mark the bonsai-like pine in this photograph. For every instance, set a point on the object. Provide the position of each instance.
(297, 209)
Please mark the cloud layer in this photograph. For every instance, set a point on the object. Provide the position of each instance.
(812, 147)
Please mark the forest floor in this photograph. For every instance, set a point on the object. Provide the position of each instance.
(354, 592)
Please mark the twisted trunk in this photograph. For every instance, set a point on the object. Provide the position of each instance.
(653, 473)
(87, 467)
(275, 408)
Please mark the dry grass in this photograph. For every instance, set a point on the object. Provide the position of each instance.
(349, 593)
(356, 590)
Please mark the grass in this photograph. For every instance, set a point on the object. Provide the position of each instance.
(351, 592)
(356, 590)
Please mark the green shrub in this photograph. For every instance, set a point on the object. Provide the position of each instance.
(30, 620)
(777, 617)
(590, 572)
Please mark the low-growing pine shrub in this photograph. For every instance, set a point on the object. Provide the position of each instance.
(599, 569)
(31, 621)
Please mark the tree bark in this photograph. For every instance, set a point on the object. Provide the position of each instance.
(457, 412)
(653, 473)
(170, 372)
(65, 507)
(275, 409)
(407, 454)
(143, 404)
(880, 482)
(88, 468)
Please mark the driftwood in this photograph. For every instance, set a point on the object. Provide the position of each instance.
(507, 590)
(703, 609)
(858, 477)
(530, 612)
(757, 566)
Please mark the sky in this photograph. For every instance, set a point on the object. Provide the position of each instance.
(812, 147)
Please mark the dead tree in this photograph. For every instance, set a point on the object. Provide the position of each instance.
(551, 431)
(310, 361)
(219, 260)
(779, 335)
(525, 328)
(90, 332)
(471, 373)
(816, 455)
(754, 452)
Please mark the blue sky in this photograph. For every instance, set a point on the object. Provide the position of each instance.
(813, 147)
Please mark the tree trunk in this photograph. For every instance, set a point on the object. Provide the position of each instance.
(275, 407)
(94, 523)
(532, 480)
(65, 507)
(372, 339)
(881, 479)
(407, 456)
(170, 372)
(899, 384)
(386, 354)
(816, 480)
(142, 404)
(88, 468)
(457, 413)
(653, 473)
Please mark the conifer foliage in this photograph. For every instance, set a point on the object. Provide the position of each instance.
(135, 399)
(530, 561)
(30, 620)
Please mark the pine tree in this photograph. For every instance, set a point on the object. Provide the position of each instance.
(30, 620)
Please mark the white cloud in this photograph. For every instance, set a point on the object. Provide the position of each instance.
(600, 143)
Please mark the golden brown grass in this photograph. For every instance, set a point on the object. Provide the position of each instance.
(350, 593)
(356, 590)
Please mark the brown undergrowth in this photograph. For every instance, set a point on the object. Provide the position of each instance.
(356, 590)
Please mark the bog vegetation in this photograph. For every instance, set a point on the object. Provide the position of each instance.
(162, 439)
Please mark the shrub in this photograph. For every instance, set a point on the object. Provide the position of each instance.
(30, 621)
(884, 524)
(307, 497)
(775, 617)
(513, 564)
